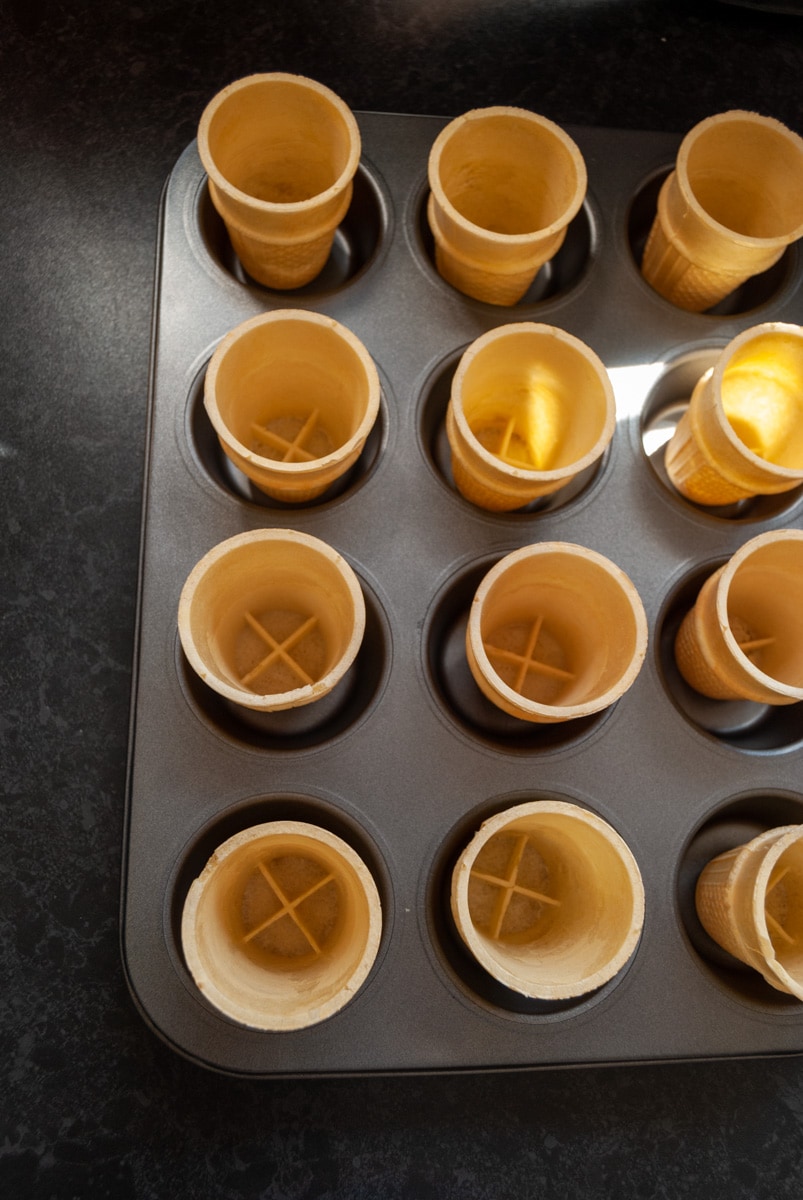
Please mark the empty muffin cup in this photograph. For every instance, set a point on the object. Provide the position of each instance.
(728, 210)
(280, 152)
(549, 899)
(505, 183)
(531, 407)
(750, 901)
(743, 639)
(742, 434)
(282, 927)
(555, 631)
(292, 396)
(271, 619)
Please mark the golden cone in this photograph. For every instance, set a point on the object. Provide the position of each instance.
(282, 926)
(728, 210)
(750, 901)
(742, 434)
(505, 183)
(271, 619)
(280, 151)
(549, 899)
(293, 396)
(531, 407)
(555, 632)
(743, 639)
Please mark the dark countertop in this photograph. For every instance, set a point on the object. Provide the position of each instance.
(98, 101)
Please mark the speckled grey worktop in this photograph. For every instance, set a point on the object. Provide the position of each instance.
(96, 103)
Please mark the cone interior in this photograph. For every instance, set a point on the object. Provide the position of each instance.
(534, 402)
(291, 391)
(551, 901)
(762, 396)
(748, 176)
(765, 610)
(279, 141)
(558, 629)
(783, 910)
(507, 174)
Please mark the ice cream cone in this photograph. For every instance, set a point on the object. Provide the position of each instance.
(282, 926)
(555, 632)
(750, 901)
(549, 900)
(280, 152)
(530, 408)
(743, 639)
(505, 184)
(742, 434)
(271, 619)
(292, 396)
(728, 211)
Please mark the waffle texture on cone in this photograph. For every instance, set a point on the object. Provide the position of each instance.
(750, 901)
(728, 210)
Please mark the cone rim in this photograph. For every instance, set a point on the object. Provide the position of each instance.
(524, 114)
(270, 206)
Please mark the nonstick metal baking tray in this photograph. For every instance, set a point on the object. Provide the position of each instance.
(414, 759)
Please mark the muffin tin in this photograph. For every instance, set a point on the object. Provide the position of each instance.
(408, 758)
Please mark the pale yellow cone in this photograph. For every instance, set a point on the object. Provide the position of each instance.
(742, 435)
(750, 901)
(293, 396)
(743, 639)
(281, 152)
(555, 631)
(549, 899)
(505, 183)
(728, 211)
(271, 619)
(531, 407)
(282, 927)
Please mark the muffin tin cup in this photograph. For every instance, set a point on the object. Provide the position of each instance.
(412, 758)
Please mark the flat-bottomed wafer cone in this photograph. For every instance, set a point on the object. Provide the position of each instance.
(531, 407)
(549, 899)
(750, 901)
(743, 639)
(728, 210)
(293, 396)
(281, 152)
(742, 434)
(555, 632)
(271, 619)
(505, 183)
(282, 926)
